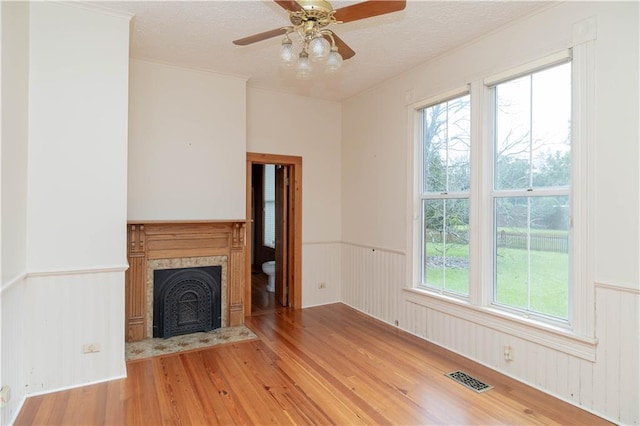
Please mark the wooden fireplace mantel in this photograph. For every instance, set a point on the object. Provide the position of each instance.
(151, 240)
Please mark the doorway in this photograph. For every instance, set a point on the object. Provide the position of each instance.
(283, 243)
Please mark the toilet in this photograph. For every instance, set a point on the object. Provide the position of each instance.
(269, 268)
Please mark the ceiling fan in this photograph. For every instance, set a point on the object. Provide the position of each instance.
(310, 19)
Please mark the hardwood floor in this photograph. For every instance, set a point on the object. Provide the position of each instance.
(262, 301)
(321, 365)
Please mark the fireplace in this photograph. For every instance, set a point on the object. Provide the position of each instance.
(154, 246)
(186, 300)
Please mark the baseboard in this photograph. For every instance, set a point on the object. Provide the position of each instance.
(18, 409)
(24, 397)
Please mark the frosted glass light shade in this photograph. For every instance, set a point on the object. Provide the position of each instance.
(319, 48)
(287, 53)
(304, 66)
(334, 61)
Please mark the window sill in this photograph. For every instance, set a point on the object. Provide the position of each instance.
(533, 331)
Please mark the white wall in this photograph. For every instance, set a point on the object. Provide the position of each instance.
(375, 155)
(374, 162)
(77, 138)
(288, 125)
(187, 144)
(187, 140)
(15, 60)
(76, 212)
(15, 71)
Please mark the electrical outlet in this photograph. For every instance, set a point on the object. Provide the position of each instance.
(508, 353)
(89, 348)
(5, 396)
(322, 285)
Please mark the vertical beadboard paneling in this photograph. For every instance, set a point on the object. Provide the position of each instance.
(630, 358)
(617, 372)
(609, 353)
(573, 386)
(65, 312)
(562, 375)
(13, 347)
(586, 384)
(321, 264)
(609, 387)
(372, 280)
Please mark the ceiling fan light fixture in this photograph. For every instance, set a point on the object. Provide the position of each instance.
(287, 53)
(310, 20)
(334, 61)
(319, 48)
(303, 66)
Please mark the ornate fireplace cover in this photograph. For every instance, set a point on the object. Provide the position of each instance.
(186, 300)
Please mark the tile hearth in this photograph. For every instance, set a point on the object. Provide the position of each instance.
(155, 347)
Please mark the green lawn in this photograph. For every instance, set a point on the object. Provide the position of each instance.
(548, 276)
(453, 279)
(549, 280)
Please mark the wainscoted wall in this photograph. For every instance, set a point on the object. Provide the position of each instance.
(14, 303)
(372, 282)
(64, 180)
(66, 311)
(320, 264)
(616, 375)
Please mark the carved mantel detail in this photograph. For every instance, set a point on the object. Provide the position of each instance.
(149, 243)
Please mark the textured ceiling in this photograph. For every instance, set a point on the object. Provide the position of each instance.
(199, 34)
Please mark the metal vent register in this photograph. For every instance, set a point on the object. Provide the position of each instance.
(468, 381)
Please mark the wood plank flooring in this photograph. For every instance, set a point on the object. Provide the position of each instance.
(321, 365)
(261, 300)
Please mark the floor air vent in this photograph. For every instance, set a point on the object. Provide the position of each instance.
(468, 381)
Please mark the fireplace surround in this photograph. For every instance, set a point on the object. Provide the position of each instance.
(153, 245)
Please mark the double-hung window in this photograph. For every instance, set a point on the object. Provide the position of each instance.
(531, 192)
(508, 174)
(445, 152)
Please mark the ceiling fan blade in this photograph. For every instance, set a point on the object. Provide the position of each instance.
(259, 37)
(369, 8)
(290, 5)
(345, 51)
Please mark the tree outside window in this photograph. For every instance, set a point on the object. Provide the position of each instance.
(445, 195)
(531, 189)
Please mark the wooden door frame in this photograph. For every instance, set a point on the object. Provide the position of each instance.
(294, 233)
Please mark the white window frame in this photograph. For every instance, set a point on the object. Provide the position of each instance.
(493, 194)
(577, 338)
(457, 93)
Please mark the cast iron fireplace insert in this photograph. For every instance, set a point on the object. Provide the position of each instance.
(186, 300)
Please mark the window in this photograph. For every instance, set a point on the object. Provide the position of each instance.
(269, 230)
(526, 142)
(445, 152)
(495, 196)
(530, 193)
